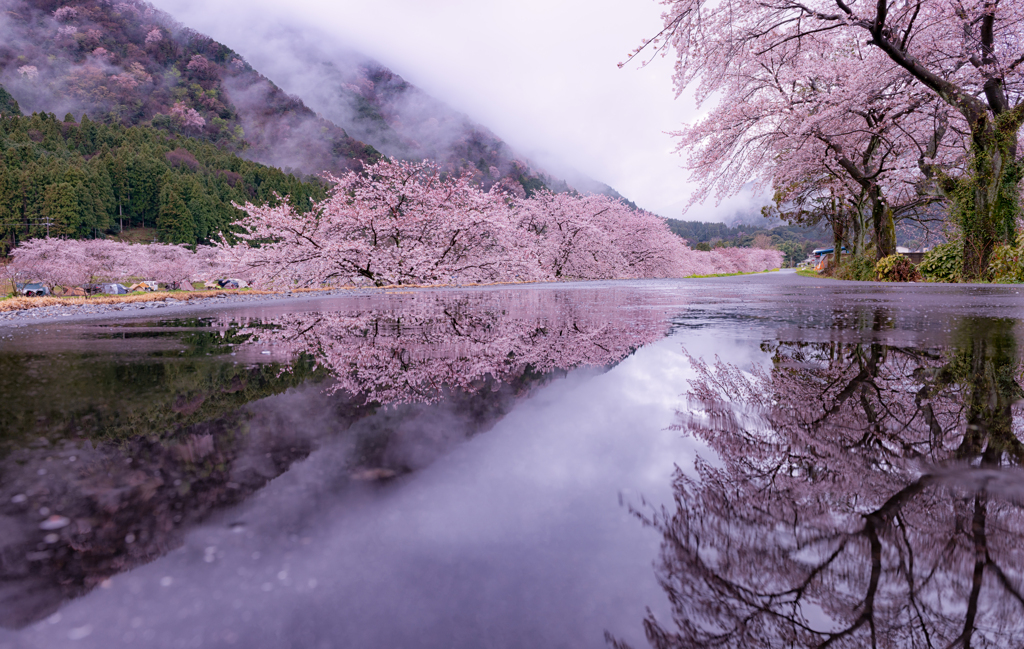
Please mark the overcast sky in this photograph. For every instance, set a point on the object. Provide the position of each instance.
(540, 74)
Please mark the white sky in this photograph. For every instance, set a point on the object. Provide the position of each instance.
(540, 74)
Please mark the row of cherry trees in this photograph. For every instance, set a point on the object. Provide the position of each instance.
(406, 223)
(410, 223)
(863, 112)
(74, 262)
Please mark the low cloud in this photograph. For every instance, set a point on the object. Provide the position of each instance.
(543, 78)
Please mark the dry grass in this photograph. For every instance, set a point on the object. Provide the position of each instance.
(19, 303)
(137, 235)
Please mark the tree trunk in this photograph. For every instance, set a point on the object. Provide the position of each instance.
(838, 234)
(883, 224)
(987, 201)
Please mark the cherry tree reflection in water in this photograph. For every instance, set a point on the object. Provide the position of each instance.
(133, 483)
(422, 349)
(859, 495)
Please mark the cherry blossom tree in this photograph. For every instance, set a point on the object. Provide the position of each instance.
(807, 130)
(406, 223)
(572, 241)
(64, 14)
(187, 117)
(54, 262)
(969, 56)
(397, 223)
(70, 262)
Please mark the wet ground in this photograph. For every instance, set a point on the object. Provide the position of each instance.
(767, 460)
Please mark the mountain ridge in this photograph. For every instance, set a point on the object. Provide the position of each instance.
(130, 63)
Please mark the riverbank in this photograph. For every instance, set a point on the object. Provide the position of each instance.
(22, 311)
(32, 310)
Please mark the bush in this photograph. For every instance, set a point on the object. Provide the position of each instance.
(1006, 265)
(860, 268)
(896, 268)
(943, 263)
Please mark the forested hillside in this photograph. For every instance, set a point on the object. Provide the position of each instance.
(80, 180)
(130, 64)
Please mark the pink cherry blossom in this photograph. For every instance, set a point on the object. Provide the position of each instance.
(187, 117)
(64, 14)
(71, 262)
(873, 103)
(409, 223)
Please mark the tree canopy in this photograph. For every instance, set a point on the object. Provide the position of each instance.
(864, 109)
(63, 178)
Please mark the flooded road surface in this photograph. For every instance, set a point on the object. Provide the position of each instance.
(754, 461)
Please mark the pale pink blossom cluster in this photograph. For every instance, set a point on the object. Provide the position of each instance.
(409, 223)
(70, 262)
(868, 104)
(28, 71)
(67, 30)
(133, 76)
(200, 65)
(187, 117)
(154, 36)
(65, 14)
(126, 81)
(127, 9)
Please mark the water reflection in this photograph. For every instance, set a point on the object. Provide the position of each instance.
(110, 458)
(860, 494)
(433, 344)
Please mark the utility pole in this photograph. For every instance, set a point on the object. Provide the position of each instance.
(45, 220)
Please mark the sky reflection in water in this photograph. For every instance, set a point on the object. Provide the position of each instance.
(501, 501)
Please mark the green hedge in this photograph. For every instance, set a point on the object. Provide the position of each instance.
(943, 263)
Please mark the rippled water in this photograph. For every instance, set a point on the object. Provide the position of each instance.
(760, 461)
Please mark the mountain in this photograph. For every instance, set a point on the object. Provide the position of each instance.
(377, 106)
(130, 64)
(127, 64)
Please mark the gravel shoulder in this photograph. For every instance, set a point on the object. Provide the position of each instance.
(81, 311)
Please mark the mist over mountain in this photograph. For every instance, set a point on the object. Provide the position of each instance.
(319, 108)
(377, 106)
(131, 64)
